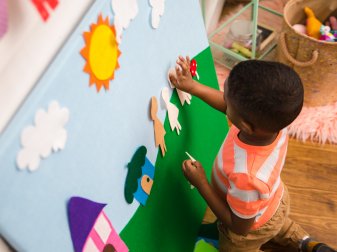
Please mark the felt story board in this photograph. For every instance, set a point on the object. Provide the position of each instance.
(105, 129)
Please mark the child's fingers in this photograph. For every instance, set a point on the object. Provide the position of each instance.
(179, 73)
(184, 67)
(181, 58)
(187, 164)
(180, 63)
(173, 79)
(188, 60)
(184, 64)
(197, 164)
(184, 164)
(185, 167)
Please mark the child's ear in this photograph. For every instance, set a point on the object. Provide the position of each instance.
(247, 127)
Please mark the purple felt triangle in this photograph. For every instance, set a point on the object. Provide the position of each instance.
(82, 214)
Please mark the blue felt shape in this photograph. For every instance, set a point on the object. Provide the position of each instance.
(147, 169)
(103, 131)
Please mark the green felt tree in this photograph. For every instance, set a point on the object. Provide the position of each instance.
(134, 173)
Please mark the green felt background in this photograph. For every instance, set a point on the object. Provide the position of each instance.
(173, 212)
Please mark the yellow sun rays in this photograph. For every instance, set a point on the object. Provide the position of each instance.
(101, 53)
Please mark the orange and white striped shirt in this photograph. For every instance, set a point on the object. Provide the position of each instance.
(248, 177)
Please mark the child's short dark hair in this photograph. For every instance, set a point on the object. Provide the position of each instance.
(269, 95)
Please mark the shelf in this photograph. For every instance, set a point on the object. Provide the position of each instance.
(229, 58)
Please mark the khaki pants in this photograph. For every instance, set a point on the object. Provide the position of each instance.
(280, 229)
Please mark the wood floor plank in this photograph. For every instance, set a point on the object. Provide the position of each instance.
(304, 198)
(310, 172)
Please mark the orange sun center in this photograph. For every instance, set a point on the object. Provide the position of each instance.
(101, 53)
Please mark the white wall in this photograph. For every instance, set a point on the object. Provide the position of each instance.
(28, 47)
(213, 10)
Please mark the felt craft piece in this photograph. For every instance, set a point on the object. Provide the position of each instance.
(159, 131)
(193, 68)
(145, 182)
(124, 11)
(134, 173)
(46, 136)
(40, 5)
(106, 125)
(101, 53)
(209, 232)
(183, 96)
(3, 17)
(161, 209)
(158, 7)
(90, 228)
(172, 110)
(202, 246)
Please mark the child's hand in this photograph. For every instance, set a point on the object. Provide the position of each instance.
(195, 173)
(183, 78)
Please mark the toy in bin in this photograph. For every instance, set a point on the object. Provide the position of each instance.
(316, 29)
(326, 35)
(313, 24)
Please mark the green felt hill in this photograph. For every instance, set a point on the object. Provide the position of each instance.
(173, 212)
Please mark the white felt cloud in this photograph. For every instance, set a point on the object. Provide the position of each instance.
(125, 11)
(158, 7)
(48, 134)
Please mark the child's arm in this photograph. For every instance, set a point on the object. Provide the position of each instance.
(195, 173)
(183, 81)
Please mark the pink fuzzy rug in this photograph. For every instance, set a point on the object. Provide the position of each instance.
(317, 124)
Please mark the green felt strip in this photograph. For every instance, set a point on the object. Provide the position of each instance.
(171, 218)
(202, 246)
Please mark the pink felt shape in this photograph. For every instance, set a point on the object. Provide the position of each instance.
(158, 7)
(183, 96)
(124, 11)
(40, 5)
(3, 17)
(172, 110)
(103, 234)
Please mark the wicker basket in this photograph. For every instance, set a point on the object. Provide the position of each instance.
(315, 61)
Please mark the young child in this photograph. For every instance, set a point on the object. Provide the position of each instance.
(246, 192)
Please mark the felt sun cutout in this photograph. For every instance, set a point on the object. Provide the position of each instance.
(101, 53)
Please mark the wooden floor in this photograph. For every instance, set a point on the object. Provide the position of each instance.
(310, 172)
